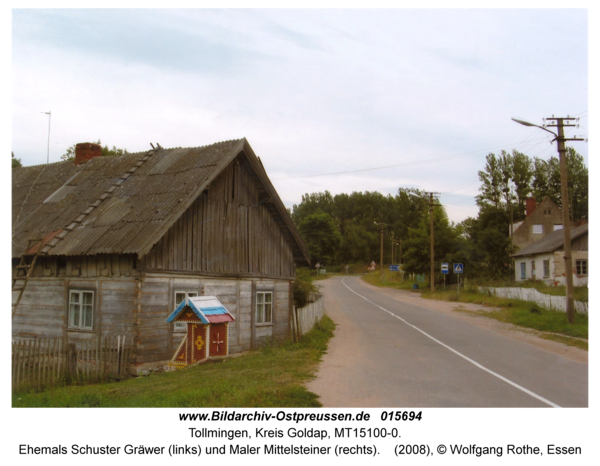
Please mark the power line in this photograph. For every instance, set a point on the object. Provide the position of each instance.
(438, 159)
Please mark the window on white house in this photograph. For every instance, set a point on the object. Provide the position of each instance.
(179, 297)
(581, 266)
(558, 227)
(523, 271)
(546, 269)
(264, 307)
(81, 309)
(537, 229)
(533, 269)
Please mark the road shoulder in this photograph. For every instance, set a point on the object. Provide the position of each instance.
(464, 311)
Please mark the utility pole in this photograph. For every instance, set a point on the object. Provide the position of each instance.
(431, 206)
(562, 152)
(512, 265)
(381, 225)
(391, 272)
(399, 243)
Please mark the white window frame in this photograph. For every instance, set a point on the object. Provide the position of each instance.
(181, 326)
(523, 270)
(77, 321)
(546, 268)
(264, 307)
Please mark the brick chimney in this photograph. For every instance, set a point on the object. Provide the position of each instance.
(85, 151)
(530, 204)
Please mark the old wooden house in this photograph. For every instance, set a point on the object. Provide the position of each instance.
(118, 242)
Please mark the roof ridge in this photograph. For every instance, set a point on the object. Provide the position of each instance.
(204, 146)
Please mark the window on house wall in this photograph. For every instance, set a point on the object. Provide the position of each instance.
(523, 271)
(81, 309)
(581, 267)
(537, 229)
(533, 269)
(546, 269)
(558, 227)
(179, 297)
(264, 307)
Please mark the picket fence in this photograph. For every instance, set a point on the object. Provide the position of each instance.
(557, 303)
(45, 362)
(304, 319)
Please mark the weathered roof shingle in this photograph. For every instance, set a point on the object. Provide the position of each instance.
(550, 242)
(124, 204)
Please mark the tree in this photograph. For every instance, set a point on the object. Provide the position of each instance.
(358, 243)
(322, 237)
(501, 174)
(417, 255)
(353, 215)
(490, 247)
(16, 163)
(491, 178)
(106, 152)
(546, 182)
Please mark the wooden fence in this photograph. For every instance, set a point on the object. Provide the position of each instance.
(304, 319)
(46, 362)
(556, 303)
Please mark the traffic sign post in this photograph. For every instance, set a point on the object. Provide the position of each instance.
(458, 268)
(444, 272)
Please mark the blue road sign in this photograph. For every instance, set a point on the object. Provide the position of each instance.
(444, 267)
(458, 268)
(394, 268)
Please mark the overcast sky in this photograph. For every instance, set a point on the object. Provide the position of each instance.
(425, 94)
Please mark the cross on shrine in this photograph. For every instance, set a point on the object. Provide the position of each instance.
(217, 341)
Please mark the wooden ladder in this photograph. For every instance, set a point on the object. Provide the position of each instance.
(23, 271)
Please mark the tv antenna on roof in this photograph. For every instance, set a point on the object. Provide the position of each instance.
(49, 119)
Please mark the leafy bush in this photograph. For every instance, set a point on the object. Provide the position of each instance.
(303, 286)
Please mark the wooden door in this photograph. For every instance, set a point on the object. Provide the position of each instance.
(197, 342)
(218, 339)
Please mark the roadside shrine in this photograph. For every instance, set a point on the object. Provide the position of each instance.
(207, 332)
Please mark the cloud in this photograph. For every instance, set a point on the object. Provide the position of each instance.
(314, 91)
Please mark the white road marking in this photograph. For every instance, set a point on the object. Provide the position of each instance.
(475, 363)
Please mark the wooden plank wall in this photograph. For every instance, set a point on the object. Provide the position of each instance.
(43, 310)
(226, 230)
(140, 308)
(103, 265)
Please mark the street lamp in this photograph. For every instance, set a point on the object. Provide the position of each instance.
(560, 142)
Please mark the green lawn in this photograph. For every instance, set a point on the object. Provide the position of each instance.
(271, 377)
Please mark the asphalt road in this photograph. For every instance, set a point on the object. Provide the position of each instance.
(392, 349)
